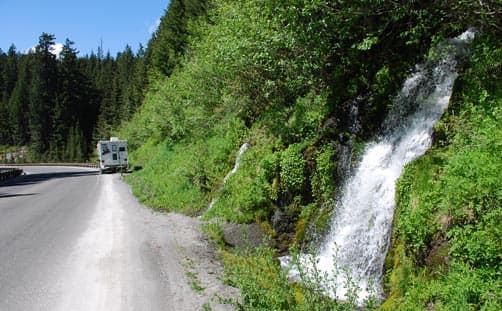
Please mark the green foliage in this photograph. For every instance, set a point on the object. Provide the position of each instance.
(448, 218)
(75, 146)
(173, 184)
(42, 94)
(286, 77)
(215, 233)
(292, 168)
(167, 46)
(461, 288)
(264, 285)
(306, 118)
(247, 195)
(323, 181)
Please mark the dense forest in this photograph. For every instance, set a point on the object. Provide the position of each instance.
(59, 105)
(305, 84)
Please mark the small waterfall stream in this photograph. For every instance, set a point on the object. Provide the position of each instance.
(244, 147)
(355, 249)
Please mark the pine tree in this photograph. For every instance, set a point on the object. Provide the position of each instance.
(42, 95)
(3, 63)
(90, 98)
(169, 42)
(138, 84)
(5, 128)
(125, 80)
(3, 108)
(8, 78)
(108, 84)
(19, 103)
(68, 100)
(9, 73)
(76, 146)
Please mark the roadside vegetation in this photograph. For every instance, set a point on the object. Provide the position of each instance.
(303, 83)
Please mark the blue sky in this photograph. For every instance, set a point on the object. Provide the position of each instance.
(86, 22)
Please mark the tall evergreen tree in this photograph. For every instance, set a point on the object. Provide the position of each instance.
(42, 94)
(4, 119)
(168, 44)
(76, 146)
(8, 73)
(125, 75)
(19, 103)
(68, 99)
(137, 86)
(107, 83)
(3, 61)
(8, 77)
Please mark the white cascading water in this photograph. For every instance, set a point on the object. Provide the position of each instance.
(244, 147)
(355, 249)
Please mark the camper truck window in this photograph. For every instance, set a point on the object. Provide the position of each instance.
(104, 149)
(114, 148)
(121, 149)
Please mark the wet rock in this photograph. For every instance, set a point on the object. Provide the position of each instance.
(283, 221)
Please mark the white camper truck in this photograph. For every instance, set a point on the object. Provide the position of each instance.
(112, 154)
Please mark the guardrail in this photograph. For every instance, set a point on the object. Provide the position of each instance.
(7, 173)
(87, 164)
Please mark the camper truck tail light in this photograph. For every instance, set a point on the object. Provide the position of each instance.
(125, 160)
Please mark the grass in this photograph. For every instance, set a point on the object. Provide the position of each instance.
(192, 276)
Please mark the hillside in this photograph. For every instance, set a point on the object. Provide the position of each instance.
(305, 84)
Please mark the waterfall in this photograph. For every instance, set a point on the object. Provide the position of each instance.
(355, 249)
(244, 147)
(237, 163)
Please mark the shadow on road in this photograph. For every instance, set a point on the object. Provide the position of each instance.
(8, 195)
(30, 179)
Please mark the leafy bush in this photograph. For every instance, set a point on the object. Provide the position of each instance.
(323, 180)
(292, 169)
(264, 285)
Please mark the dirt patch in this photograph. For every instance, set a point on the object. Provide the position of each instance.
(202, 271)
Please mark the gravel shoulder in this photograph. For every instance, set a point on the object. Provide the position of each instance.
(189, 273)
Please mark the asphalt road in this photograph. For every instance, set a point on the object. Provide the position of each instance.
(72, 239)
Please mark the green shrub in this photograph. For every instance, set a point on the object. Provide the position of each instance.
(264, 285)
(323, 180)
(292, 169)
(306, 118)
